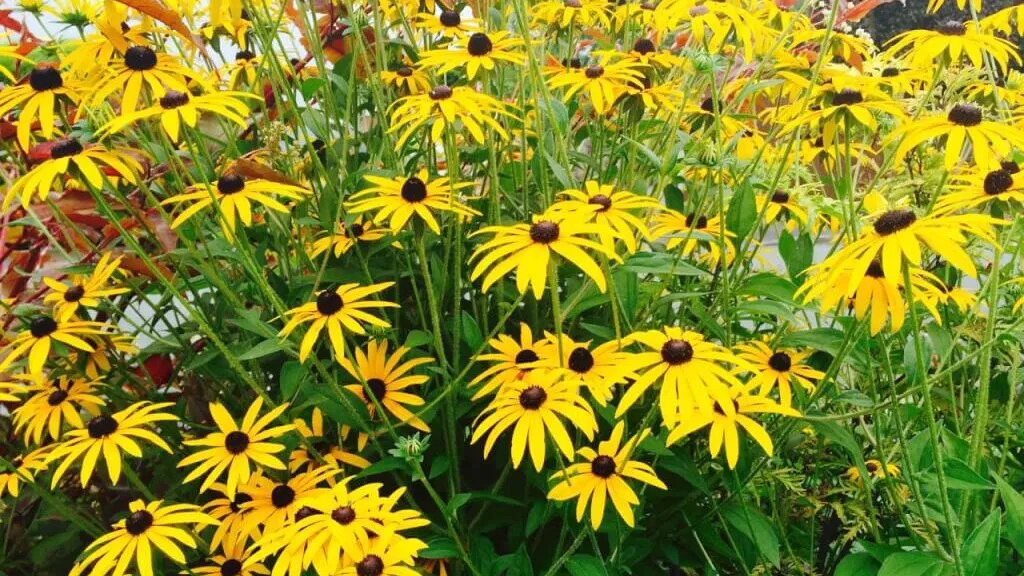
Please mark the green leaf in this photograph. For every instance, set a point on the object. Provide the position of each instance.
(741, 215)
(980, 551)
(471, 332)
(382, 466)
(349, 410)
(558, 171)
(584, 565)
(1014, 504)
(537, 516)
(417, 338)
(439, 465)
(856, 565)
(752, 524)
(824, 339)
(659, 263)
(268, 346)
(674, 199)
(457, 501)
(855, 398)
(960, 476)
(768, 284)
(310, 86)
(797, 253)
(914, 564)
(291, 375)
(440, 547)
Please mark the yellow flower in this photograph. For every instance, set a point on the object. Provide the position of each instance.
(513, 360)
(345, 237)
(42, 331)
(691, 231)
(25, 469)
(603, 477)
(331, 453)
(401, 198)
(777, 368)
(610, 210)
(603, 82)
(845, 108)
(141, 69)
(84, 290)
(38, 99)
(475, 52)
(414, 81)
(175, 108)
(388, 555)
(566, 13)
(235, 561)
(989, 139)
(970, 190)
(444, 106)
(446, 23)
(598, 369)
(782, 205)
(875, 469)
(952, 40)
(338, 310)
(52, 405)
(234, 531)
(275, 505)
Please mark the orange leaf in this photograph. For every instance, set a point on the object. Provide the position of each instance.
(253, 169)
(155, 9)
(861, 10)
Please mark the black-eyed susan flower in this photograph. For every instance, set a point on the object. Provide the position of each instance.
(777, 368)
(845, 108)
(782, 206)
(692, 371)
(37, 340)
(88, 163)
(243, 70)
(338, 525)
(388, 555)
(574, 13)
(236, 449)
(54, 404)
(275, 505)
(39, 98)
(176, 108)
(24, 470)
(234, 195)
(141, 71)
(476, 51)
(875, 470)
(953, 40)
(726, 416)
(512, 360)
(343, 308)
(599, 370)
(689, 231)
(527, 248)
(84, 291)
(535, 406)
(646, 51)
(603, 478)
(989, 140)
(323, 442)
(974, 189)
(234, 560)
(602, 81)
(399, 199)
(345, 237)
(612, 210)
(407, 78)
(446, 23)
(445, 106)
(132, 540)
(106, 346)
(387, 378)
(710, 23)
(110, 435)
(234, 530)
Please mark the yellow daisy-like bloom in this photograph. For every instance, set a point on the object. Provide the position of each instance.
(603, 82)
(110, 435)
(528, 248)
(726, 416)
(812, 151)
(243, 70)
(149, 525)
(141, 70)
(989, 140)
(65, 154)
(234, 530)
(475, 52)
(338, 526)
(175, 108)
(602, 478)
(331, 453)
(970, 190)
(52, 405)
(513, 360)
(782, 206)
(234, 195)
(36, 99)
(952, 40)
(444, 106)
(845, 108)
(106, 346)
(690, 369)
(935, 5)
(610, 210)
(446, 23)
(387, 378)
(777, 368)
(710, 23)
(338, 310)
(1005, 21)
(11, 51)
(402, 198)
(575, 13)
(646, 52)
(691, 231)
(388, 555)
(599, 369)
(275, 505)
(25, 469)
(896, 237)
(84, 290)
(536, 406)
(235, 448)
(234, 561)
(42, 332)
(408, 78)
(659, 96)
(875, 469)
(345, 237)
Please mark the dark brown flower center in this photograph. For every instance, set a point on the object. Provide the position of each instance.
(101, 426)
(644, 46)
(74, 294)
(45, 78)
(581, 360)
(230, 183)
(997, 182)
(173, 99)
(708, 105)
(372, 565)
(42, 327)
(305, 512)
(240, 498)
(544, 232)
(404, 71)
(965, 114)
(871, 467)
(355, 230)
(414, 190)
(698, 11)
(56, 397)
(244, 55)
(140, 58)
(344, 515)
(601, 200)
(526, 356)
(65, 147)
(1009, 166)
(231, 567)
(328, 302)
(847, 97)
(893, 221)
(236, 442)
(441, 92)
(450, 18)
(281, 496)
(676, 352)
(780, 197)
(138, 522)
(890, 72)
(875, 270)
(532, 397)
(780, 362)
(702, 221)
(479, 44)
(952, 28)
(377, 387)
(593, 72)
(603, 466)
